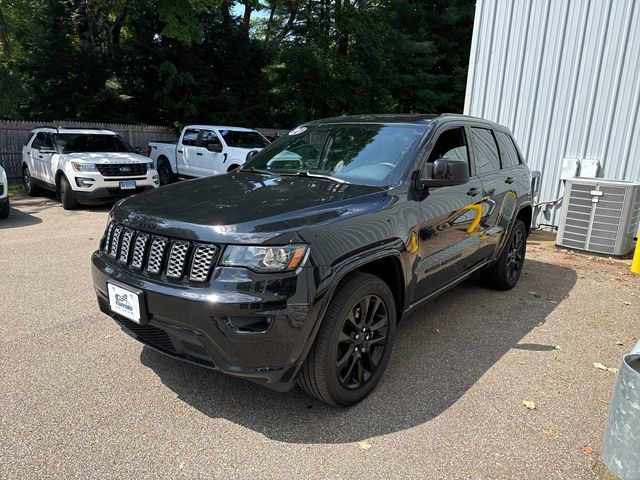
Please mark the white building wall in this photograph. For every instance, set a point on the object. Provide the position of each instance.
(564, 76)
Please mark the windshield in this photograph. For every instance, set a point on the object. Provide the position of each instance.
(80, 142)
(361, 154)
(236, 138)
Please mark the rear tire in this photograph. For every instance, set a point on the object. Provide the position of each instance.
(69, 201)
(5, 208)
(505, 272)
(232, 168)
(354, 342)
(27, 181)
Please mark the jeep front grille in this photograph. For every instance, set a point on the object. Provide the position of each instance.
(122, 169)
(160, 256)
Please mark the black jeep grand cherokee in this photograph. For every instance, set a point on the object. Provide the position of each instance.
(298, 267)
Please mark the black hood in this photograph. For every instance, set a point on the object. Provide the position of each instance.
(246, 207)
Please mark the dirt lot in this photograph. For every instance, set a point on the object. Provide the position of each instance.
(80, 399)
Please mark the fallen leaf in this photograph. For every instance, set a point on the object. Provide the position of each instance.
(181, 466)
(619, 343)
(586, 450)
(537, 295)
(626, 303)
(558, 347)
(364, 445)
(529, 404)
(600, 366)
(548, 432)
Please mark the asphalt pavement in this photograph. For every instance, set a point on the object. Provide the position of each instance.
(81, 399)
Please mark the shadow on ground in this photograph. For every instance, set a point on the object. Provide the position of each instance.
(442, 349)
(24, 208)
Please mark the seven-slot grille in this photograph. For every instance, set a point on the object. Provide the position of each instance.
(122, 169)
(157, 255)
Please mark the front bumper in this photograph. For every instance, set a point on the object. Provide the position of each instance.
(202, 324)
(98, 196)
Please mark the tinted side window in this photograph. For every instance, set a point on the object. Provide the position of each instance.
(508, 151)
(487, 158)
(451, 144)
(190, 137)
(38, 141)
(209, 138)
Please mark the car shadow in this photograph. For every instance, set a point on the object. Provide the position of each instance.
(441, 350)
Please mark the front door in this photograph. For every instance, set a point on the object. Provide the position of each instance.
(186, 153)
(449, 236)
(210, 162)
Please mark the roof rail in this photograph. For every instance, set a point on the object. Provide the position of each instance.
(45, 126)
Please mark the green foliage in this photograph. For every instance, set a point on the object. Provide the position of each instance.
(250, 62)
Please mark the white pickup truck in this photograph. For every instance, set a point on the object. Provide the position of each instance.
(205, 150)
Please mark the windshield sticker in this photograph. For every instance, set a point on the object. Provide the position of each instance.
(298, 130)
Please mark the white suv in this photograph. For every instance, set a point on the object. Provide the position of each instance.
(84, 166)
(4, 194)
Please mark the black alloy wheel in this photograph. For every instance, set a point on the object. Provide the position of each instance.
(362, 341)
(354, 342)
(515, 257)
(505, 272)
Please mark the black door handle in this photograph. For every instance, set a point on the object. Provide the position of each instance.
(473, 191)
(510, 180)
(199, 154)
(180, 151)
(40, 156)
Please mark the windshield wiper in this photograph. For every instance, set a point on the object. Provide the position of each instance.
(316, 175)
(257, 170)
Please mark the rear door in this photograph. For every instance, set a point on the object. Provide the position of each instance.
(498, 193)
(448, 237)
(186, 152)
(209, 162)
(41, 161)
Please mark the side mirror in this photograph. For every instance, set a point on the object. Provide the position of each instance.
(447, 172)
(45, 149)
(214, 147)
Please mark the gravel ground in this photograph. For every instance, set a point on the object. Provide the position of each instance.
(80, 399)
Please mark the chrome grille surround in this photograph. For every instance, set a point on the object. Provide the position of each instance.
(202, 262)
(115, 241)
(138, 251)
(177, 257)
(156, 254)
(125, 248)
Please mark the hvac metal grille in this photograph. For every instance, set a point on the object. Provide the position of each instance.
(160, 256)
(600, 216)
(122, 169)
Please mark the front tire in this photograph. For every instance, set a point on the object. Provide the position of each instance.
(69, 201)
(27, 181)
(5, 208)
(505, 272)
(165, 175)
(354, 342)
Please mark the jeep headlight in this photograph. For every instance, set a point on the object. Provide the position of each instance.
(265, 259)
(84, 167)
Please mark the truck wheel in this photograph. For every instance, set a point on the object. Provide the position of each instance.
(5, 208)
(69, 201)
(354, 342)
(232, 168)
(505, 272)
(30, 188)
(165, 174)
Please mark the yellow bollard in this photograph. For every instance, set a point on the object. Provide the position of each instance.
(635, 263)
